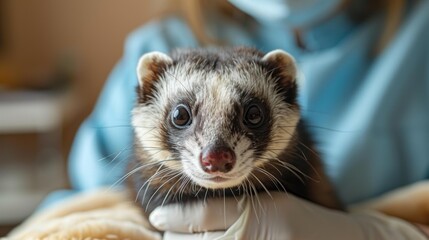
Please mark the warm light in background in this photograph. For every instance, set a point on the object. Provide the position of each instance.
(54, 58)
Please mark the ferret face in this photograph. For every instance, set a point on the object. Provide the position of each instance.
(215, 117)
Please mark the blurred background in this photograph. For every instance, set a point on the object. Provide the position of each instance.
(54, 58)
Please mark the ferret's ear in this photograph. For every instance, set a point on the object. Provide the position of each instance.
(150, 65)
(149, 69)
(283, 66)
(283, 63)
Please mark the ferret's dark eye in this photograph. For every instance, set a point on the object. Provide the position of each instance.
(181, 116)
(253, 116)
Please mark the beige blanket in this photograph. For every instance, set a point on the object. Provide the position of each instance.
(107, 214)
(102, 214)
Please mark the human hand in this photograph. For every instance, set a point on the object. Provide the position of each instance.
(275, 216)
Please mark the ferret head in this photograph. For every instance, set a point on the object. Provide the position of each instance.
(215, 116)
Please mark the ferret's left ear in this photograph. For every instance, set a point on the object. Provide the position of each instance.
(149, 69)
(284, 63)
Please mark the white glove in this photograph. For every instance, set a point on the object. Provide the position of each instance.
(276, 216)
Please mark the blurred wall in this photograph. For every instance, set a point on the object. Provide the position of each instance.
(90, 33)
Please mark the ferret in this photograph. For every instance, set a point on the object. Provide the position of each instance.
(222, 123)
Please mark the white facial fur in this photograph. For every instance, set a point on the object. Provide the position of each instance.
(215, 94)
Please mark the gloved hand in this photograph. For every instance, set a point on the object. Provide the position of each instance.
(276, 216)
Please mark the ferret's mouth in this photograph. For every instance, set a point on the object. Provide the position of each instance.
(215, 182)
(216, 179)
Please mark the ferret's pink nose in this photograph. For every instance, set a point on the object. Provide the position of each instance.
(217, 159)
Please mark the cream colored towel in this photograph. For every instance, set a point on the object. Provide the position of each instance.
(102, 214)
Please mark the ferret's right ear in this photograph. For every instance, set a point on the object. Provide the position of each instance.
(150, 67)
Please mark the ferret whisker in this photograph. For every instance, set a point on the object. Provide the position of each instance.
(185, 149)
(249, 193)
(254, 194)
(112, 126)
(150, 148)
(146, 126)
(286, 131)
(281, 141)
(115, 158)
(151, 155)
(116, 154)
(257, 198)
(120, 180)
(332, 129)
(309, 149)
(183, 186)
(240, 187)
(272, 178)
(148, 181)
(274, 149)
(262, 185)
(169, 190)
(172, 160)
(232, 191)
(282, 138)
(308, 162)
(176, 192)
(205, 195)
(122, 126)
(180, 188)
(196, 194)
(291, 168)
(193, 186)
(168, 172)
(144, 134)
(170, 175)
(156, 191)
(153, 139)
(159, 174)
(272, 165)
(274, 140)
(118, 162)
(224, 209)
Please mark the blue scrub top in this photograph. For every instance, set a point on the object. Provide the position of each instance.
(368, 115)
